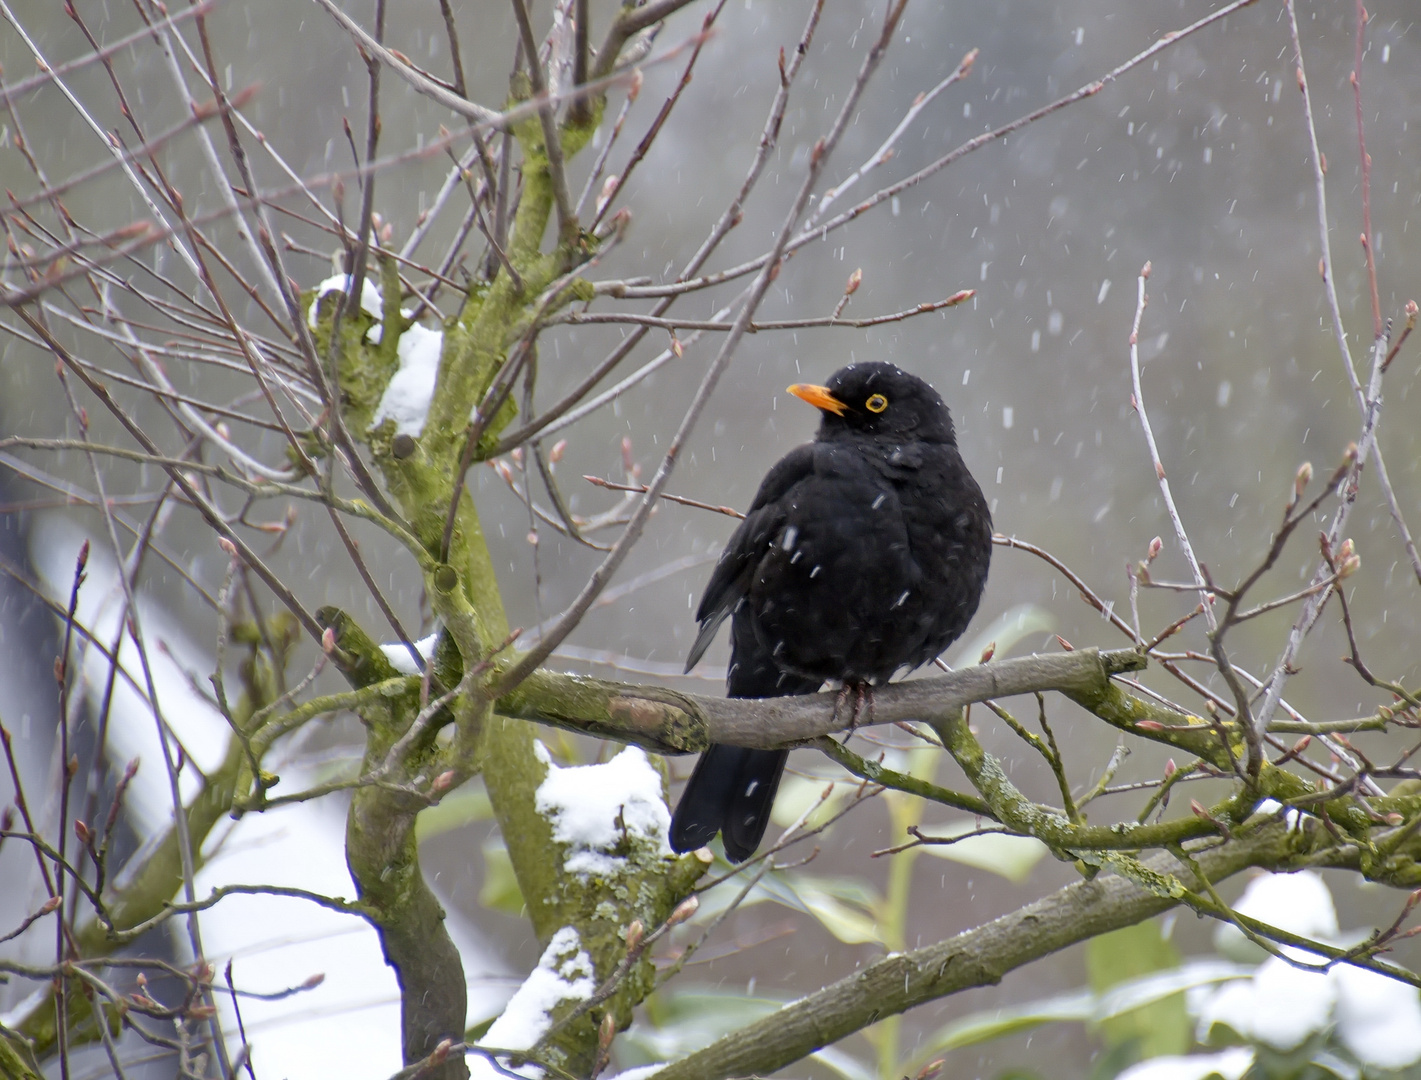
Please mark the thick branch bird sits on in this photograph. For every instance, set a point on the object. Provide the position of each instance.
(864, 553)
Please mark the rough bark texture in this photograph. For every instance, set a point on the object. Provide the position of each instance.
(673, 723)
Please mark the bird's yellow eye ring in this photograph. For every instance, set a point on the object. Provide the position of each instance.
(876, 404)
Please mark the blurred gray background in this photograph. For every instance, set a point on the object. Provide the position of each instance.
(1196, 161)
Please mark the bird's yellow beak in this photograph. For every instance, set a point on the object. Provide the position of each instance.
(819, 397)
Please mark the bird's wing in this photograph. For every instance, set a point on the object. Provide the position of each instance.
(730, 580)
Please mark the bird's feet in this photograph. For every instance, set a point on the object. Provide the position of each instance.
(862, 696)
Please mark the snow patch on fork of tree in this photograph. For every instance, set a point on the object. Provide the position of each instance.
(601, 811)
(564, 973)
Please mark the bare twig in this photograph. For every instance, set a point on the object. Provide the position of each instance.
(729, 511)
(1137, 401)
(590, 317)
(817, 159)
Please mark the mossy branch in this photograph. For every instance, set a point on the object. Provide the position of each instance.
(983, 956)
(425, 478)
(674, 723)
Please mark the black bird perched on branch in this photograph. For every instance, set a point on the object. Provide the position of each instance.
(864, 552)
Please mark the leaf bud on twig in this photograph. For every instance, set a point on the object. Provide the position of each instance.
(684, 910)
(636, 930)
(609, 188)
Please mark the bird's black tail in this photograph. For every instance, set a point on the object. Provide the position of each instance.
(732, 789)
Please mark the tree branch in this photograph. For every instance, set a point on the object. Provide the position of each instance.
(674, 723)
(979, 957)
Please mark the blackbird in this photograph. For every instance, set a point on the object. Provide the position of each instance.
(864, 552)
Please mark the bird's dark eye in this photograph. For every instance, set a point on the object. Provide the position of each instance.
(876, 404)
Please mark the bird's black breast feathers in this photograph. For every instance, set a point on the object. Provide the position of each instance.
(858, 557)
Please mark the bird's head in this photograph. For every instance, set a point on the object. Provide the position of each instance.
(878, 400)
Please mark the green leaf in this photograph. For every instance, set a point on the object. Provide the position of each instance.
(686, 1020)
(474, 1032)
(841, 1064)
(1147, 989)
(1115, 1060)
(800, 793)
(843, 907)
(1162, 1025)
(1309, 1061)
(500, 891)
(1081, 1006)
(1012, 857)
(1128, 953)
(454, 811)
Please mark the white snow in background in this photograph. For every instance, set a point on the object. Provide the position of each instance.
(54, 542)
(349, 1025)
(400, 658)
(1378, 1019)
(589, 806)
(1298, 903)
(1231, 1064)
(1292, 817)
(1281, 1005)
(564, 973)
(369, 298)
(407, 397)
(641, 1072)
